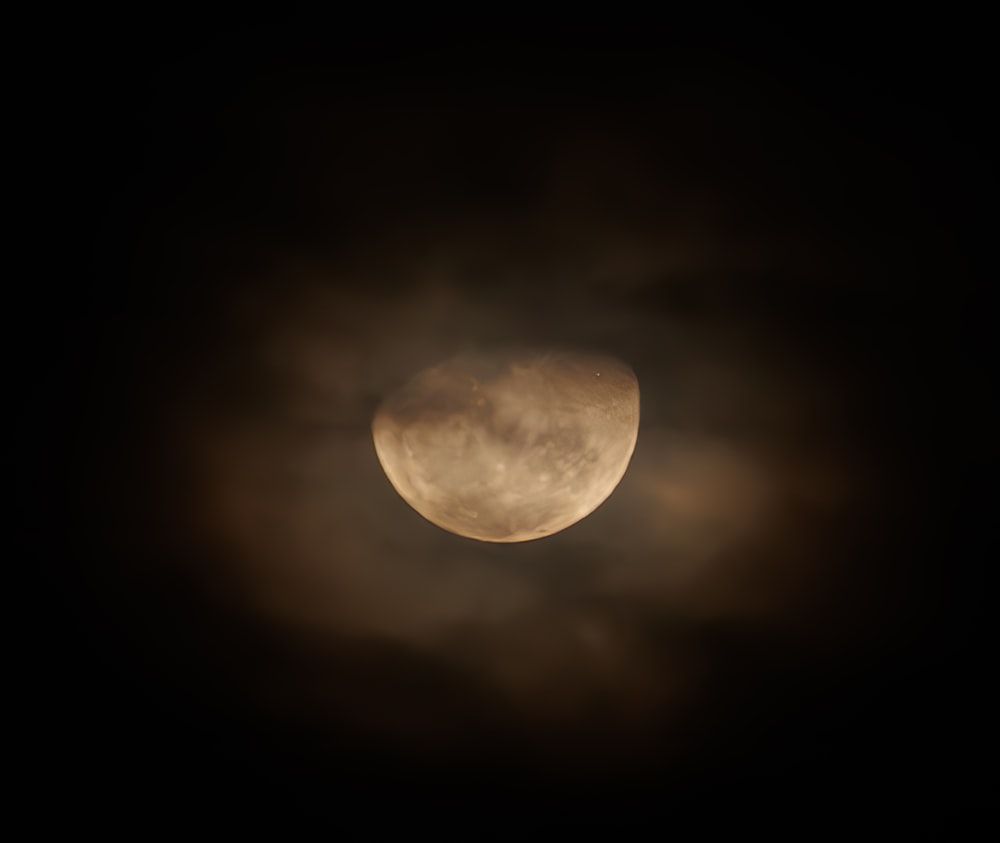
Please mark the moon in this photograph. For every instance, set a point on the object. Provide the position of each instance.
(513, 446)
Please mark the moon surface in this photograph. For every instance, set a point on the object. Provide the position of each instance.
(512, 446)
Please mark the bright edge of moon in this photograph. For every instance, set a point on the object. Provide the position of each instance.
(510, 447)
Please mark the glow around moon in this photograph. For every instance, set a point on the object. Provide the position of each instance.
(510, 447)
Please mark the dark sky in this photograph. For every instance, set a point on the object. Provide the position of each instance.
(254, 232)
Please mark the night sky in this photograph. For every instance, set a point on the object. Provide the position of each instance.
(256, 231)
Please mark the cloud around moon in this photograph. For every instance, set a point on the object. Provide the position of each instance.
(748, 506)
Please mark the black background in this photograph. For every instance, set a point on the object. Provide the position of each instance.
(126, 120)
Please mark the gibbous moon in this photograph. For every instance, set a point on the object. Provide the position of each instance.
(510, 447)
